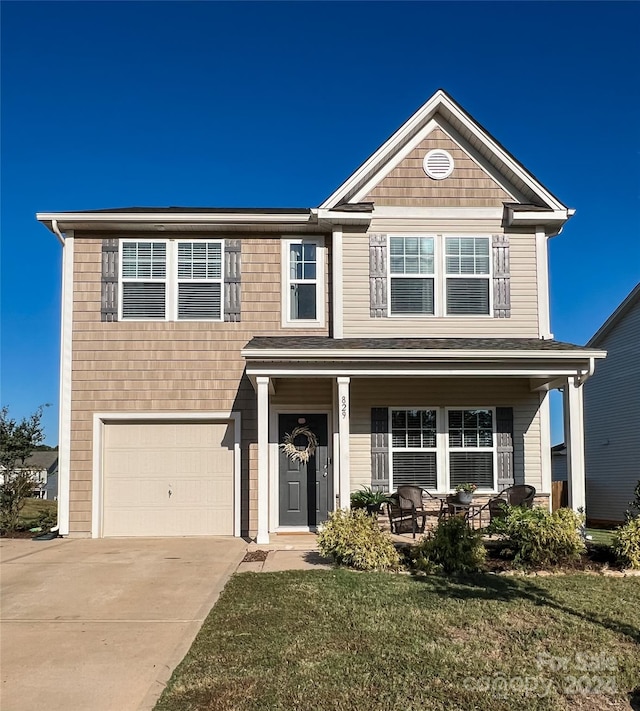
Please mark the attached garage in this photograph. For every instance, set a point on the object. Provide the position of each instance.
(168, 478)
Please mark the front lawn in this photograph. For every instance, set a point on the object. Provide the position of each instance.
(34, 509)
(339, 640)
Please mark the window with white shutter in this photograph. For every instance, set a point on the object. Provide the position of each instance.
(412, 275)
(471, 447)
(468, 276)
(144, 280)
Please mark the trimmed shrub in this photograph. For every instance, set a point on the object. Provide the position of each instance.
(354, 539)
(626, 544)
(452, 547)
(539, 538)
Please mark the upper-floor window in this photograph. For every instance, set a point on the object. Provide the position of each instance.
(467, 275)
(412, 269)
(171, 280)
(303, 282)
(431, 275)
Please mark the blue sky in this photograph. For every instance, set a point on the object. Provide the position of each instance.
(274, 104)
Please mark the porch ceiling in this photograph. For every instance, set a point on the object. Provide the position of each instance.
(546, 362)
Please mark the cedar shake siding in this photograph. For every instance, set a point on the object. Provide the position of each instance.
(407, 185)
(183, 366)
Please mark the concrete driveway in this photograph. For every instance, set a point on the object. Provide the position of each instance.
(101, 624)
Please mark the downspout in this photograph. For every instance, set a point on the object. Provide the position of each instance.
(56, 231)
(583, 377)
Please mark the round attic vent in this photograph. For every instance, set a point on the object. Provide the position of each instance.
(438, 164)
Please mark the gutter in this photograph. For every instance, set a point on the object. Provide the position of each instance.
(56, 231)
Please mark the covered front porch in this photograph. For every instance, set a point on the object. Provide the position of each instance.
(383, 412)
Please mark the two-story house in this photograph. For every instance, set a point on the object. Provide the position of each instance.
(241, 371)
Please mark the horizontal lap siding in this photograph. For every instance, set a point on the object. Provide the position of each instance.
(441, 392)
(407, 185)
(167, 367)
(612, 422)
(523, 322)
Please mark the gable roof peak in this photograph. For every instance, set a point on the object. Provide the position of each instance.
(446, 110)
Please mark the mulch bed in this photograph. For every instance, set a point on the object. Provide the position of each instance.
(255, 556)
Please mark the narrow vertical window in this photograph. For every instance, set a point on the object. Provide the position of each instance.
(412, 273)
(302, 282)
(468, 273)
(144, 280)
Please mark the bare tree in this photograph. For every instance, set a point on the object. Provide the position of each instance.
(17, 482)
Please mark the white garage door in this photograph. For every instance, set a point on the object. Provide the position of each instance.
(168, 479)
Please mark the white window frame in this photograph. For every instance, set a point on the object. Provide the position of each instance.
(493, 449)
(445, 276)
(434, 276)
(287, 321)
(440, 275)
(171, 281)
(441, 473)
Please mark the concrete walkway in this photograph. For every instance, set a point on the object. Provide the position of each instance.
(99, 625)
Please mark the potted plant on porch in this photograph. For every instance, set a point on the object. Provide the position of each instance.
(367, 498)
(464, 492)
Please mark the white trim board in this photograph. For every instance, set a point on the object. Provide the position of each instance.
(102, 418)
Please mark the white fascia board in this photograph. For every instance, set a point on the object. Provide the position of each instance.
(384, 150)
(424, 113)
(343, 216)
(536, 217)
(69, 218)
(379, 354)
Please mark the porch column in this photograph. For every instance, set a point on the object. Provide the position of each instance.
(574, 441)
(343, 435)
(263, 460)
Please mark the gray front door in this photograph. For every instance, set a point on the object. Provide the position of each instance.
(306, 488)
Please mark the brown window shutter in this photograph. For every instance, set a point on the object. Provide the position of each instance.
(109, 288)
(504, 446)
(501, 277)
(380, 448)
(378, 275)
(232, 280)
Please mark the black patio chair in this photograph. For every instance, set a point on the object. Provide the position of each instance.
(408, 504)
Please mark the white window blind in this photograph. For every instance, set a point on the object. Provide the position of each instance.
(468, 271)
(471, 448)
(414, 448)
(144, 274)
(412, 270)
(199, 280)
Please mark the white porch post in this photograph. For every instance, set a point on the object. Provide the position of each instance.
(574, 441)
(263, 460)
(343, 432)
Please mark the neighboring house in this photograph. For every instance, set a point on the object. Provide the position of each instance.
(399, 332)
(559, 462)
(44, 467)
(612, 415)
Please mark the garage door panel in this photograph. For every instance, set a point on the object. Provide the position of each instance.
(143, 462)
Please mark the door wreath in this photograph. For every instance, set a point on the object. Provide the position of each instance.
(299, 455)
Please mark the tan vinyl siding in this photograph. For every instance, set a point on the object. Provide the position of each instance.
(612, 421)
(442, 392)
(168, 367)
(407, 184)
(524, 295)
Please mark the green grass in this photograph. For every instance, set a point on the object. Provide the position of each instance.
(33, 509)
(339, 640)
(600, 536)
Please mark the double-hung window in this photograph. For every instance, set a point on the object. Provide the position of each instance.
(303, 282)
(467, 275)
(172, 280)
(412, 275)
(414, 448)
(471, 447)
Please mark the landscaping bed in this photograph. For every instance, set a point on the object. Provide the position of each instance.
(34, 513)
(345, 640)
